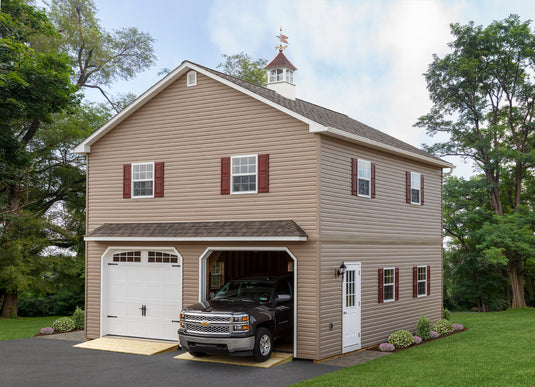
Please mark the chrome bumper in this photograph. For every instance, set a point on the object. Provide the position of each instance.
(234, 344)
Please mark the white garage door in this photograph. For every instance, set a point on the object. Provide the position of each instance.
(142, 294)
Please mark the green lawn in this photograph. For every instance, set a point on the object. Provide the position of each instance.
(498, 349)
(23, 327)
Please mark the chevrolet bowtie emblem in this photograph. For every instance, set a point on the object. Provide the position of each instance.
(204, 323)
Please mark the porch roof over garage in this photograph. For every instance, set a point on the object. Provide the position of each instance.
(267, 230)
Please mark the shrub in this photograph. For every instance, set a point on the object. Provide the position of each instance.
(59, 304)
(386, 347)
(401, 339)
(443, 327)
(78, 318)
(446, 314)
(433, 334)
(423, 326)
(458, 327)
(63, 324)
(46, 331)
(417, 339)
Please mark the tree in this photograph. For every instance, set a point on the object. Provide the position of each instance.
(244, 67)
(483, 95)
(99, 57)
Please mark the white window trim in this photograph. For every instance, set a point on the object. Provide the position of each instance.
(369, 180)
(419, 189)
(243, 174)
(418, 281)
(153, 182)
(393, 284)
(194, 83)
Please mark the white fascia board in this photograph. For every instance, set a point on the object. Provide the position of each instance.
(85, 146)
(375, 144)
(196, 239)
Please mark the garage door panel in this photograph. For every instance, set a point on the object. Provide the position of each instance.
(129, 286)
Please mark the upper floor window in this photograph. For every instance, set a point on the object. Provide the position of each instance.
(192, 78)
(243, 173)
(416, 188)
(364, 178)
(389, 279)
(422, 281)
(143, 180)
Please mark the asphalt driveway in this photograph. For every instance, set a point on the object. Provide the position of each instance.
(40, 362)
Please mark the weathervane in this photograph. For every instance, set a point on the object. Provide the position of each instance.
(282, 39)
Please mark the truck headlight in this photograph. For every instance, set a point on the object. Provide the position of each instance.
(240, 328)
(241, 319)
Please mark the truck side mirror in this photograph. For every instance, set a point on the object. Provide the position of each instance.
(211, 296)
(282, 298)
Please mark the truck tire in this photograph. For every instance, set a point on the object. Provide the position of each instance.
(198, 354)
(263, 344)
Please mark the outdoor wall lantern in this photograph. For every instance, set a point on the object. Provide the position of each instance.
(341, 270)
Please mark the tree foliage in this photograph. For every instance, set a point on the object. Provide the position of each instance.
(244, 67)
(483, 95)
(99, 57)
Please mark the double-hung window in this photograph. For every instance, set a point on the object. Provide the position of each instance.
(389, 280)
(416, 188)
(422, 281)
(143, 180)
(244, 174)
(364, 178)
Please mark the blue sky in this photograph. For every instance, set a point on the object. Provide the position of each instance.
(361, 58)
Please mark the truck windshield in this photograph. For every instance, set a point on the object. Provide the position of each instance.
(245, 291)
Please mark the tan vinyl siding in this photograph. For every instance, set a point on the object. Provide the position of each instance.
(306, 254)
(378, 233)
(190, 129)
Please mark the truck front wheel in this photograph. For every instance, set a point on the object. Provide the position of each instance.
(263, 344)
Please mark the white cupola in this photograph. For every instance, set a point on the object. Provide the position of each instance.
(280, 72)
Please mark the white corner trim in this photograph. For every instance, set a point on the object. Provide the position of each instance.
(85, 146)
(197, 239)
(375, 144)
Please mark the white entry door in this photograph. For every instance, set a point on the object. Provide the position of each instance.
(142, 298)
(351, 308)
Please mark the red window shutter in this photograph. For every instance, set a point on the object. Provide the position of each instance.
(415, 281)
(158, 180)
(372, 183)
(396, 280)
(422, 190)
(127, 181)
(355, 177)
(381, 286)
(225, 175)
(263, 173)
(428, 280)
(408, 186)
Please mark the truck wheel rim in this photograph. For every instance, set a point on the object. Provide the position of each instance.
(265, 345)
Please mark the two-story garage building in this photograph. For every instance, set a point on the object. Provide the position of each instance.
(206, 178)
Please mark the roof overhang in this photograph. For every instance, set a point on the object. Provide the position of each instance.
(221, 231)
(342, 134)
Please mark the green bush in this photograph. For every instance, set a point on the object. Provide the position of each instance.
(446, 314)
(401, 339)
(443, 327)
(78, 318)
(423, 327)
(60, 304)
(63, 324)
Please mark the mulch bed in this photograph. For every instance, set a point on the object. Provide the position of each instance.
(58, 333)
(376, 347)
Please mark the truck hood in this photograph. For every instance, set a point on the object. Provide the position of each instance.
(225, 306)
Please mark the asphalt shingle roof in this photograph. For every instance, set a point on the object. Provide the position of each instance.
(324, 116)
(221, 229)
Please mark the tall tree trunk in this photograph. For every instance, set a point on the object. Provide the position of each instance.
(9, 306)
(514, 270)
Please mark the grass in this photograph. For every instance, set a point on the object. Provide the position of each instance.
(23, 327)
(496, 350)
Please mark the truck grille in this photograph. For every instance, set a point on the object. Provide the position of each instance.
(207, 318)
(213, 329)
